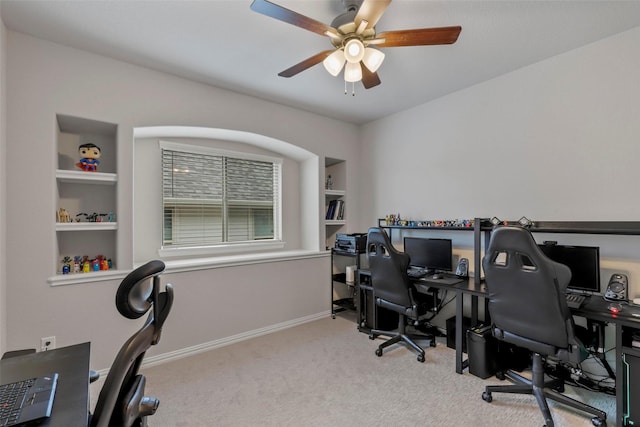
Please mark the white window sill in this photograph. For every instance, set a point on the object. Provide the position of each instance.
(240, 259)
(231, 248)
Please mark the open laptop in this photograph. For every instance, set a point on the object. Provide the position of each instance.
(27, 401)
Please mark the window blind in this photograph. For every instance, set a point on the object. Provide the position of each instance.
(218, 199)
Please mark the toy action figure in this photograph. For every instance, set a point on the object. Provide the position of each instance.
(89, 155)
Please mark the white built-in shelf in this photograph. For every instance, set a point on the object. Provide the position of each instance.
(81, 177)
(335, 222)
(334, 193)
(84, 278)
(86, 226)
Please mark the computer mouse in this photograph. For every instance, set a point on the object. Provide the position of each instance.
(437, 276)
(615, 308)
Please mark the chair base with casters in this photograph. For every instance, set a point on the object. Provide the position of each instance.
(401, 336)
(543, 390)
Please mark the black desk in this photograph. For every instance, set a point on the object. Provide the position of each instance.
(71, 404)
(594, 308)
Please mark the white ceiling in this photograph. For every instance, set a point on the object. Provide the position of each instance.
(223, 43)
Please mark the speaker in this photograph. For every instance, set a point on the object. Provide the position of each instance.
(617, 288)
(463, 268)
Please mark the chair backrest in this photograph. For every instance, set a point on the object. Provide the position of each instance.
(388, 269)
(119, 402)
(526, 291)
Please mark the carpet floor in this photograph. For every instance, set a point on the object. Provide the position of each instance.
(325, 373)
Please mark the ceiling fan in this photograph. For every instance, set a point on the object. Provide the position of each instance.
(352, 35)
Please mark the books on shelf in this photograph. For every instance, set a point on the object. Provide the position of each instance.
(335, 210)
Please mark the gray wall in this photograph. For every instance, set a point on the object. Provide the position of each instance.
(558, 140)
(3, 187)
(45, 79)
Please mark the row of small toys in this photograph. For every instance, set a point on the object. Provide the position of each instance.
(62, 215)
(395, 219)
(82, 264)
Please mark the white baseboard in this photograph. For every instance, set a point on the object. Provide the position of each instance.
(200, 348)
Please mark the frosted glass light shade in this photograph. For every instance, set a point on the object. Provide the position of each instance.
(352, 72)
(372, 59)
(334, 62)
(354, 51)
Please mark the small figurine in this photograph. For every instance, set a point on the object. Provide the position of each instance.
(89, 155)
(66, 265)
(63, 215)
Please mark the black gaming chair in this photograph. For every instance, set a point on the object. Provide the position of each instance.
(121, 401)
(528, 308)
(393, 290)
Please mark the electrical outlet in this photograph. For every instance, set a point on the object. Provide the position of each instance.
(47, 343)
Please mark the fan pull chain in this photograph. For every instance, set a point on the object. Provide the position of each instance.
(353, 88)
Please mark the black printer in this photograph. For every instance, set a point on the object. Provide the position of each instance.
(352, 243)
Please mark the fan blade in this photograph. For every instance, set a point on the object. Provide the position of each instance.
(369, 79)
(290, 17)
(371, 11)
(421, 37)
(307, 63)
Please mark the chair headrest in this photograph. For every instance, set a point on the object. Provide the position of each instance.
(135, 296)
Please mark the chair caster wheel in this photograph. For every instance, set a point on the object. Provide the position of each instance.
(598, 422)
(421, 358)
(333, 316)
(486, 396)
(379, 352)
(432, 343)
(500, 375)
(372, 337)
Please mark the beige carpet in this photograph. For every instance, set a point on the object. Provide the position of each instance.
(325, 373)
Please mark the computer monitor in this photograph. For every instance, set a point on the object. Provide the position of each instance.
(431, 254)
(583, 261)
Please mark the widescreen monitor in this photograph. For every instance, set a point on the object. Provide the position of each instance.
(432, 254)
(583, 261)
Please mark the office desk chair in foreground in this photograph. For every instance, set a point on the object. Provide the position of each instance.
(393, 290)
(121, 401)
(528, 308)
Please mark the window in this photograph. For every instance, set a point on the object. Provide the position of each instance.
(213, 198)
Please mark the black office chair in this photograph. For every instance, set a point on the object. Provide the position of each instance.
(393, 290)
(528, 308)
(121, 401)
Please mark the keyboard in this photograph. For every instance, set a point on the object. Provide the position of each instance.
(575, 300)
(27, 400)
(416, 273)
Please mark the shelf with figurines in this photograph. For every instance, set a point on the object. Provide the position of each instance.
(84, 264)
(84, 221)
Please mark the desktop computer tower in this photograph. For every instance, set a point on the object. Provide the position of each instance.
(451, 332)
(482, 349)
(631, 388)
(374, 317)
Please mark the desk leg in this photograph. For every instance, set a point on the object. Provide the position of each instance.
(619, 385)
(474, 311)
(460, 364)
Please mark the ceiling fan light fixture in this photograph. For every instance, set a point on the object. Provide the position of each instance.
(352, 72)
(372, 59)
(334, 62)
(354, 51)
